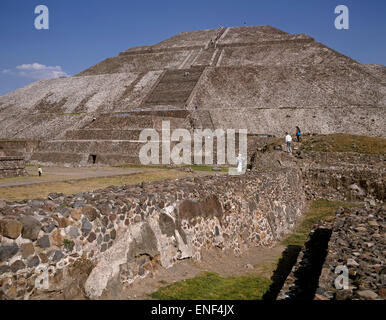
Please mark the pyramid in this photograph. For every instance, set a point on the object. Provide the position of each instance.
(257, 78)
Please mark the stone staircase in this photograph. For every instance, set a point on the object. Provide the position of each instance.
(174, 88)
(110, 139)
(189, 61)
(114, 138)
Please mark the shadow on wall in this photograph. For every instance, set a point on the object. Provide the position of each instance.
(284, 267)
(310, 267)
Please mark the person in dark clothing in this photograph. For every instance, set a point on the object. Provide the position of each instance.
(298, 133)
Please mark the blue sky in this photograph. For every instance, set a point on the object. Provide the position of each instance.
(84, 32)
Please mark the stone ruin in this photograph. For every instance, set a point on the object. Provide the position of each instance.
(257, 78)
(12, 158)
(12, 167)
(354, 241)
(344, 176)
(79, 245)
(107, 239)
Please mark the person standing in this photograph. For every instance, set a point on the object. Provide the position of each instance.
(298, 133)
(40, 171)
(288, 140)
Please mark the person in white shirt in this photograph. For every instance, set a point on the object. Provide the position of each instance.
(288, 140)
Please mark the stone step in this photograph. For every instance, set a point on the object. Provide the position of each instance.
(177, 98)
(216, 57)
(120, 122)
(84, 159)
(91, 146)
(174, 88)
(191, 58)
(178, 75)
(102, 134)
(105, 134)
(139, 120)
(163, 111)
(48, 158)
(205, 57)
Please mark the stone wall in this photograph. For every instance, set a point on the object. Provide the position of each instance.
(276, 121)
(348, 185)
(12, 167)
(125, 233)
(17, 148)
(358, 243)
(331, 175)
(354, 242)
(344, 175)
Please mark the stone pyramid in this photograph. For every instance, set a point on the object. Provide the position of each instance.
(257, 78)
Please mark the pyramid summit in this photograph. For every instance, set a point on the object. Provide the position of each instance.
(257, 78)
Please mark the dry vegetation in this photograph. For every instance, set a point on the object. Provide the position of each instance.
(319, 210)
(344, 143)
(337, 142)
(69, 187)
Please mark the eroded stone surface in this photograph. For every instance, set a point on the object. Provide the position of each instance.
(357, 245)
(156, 227)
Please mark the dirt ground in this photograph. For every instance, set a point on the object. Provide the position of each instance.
(257, 261)
(74, 180)
(225, 263)
(59, 174)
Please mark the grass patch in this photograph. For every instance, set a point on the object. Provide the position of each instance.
(197, 167)
(338, 142)
(320, 209)
(142, 166)
(211, 286)
(35, 191)
(68, 244)
(267, 268)
(344, 143)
